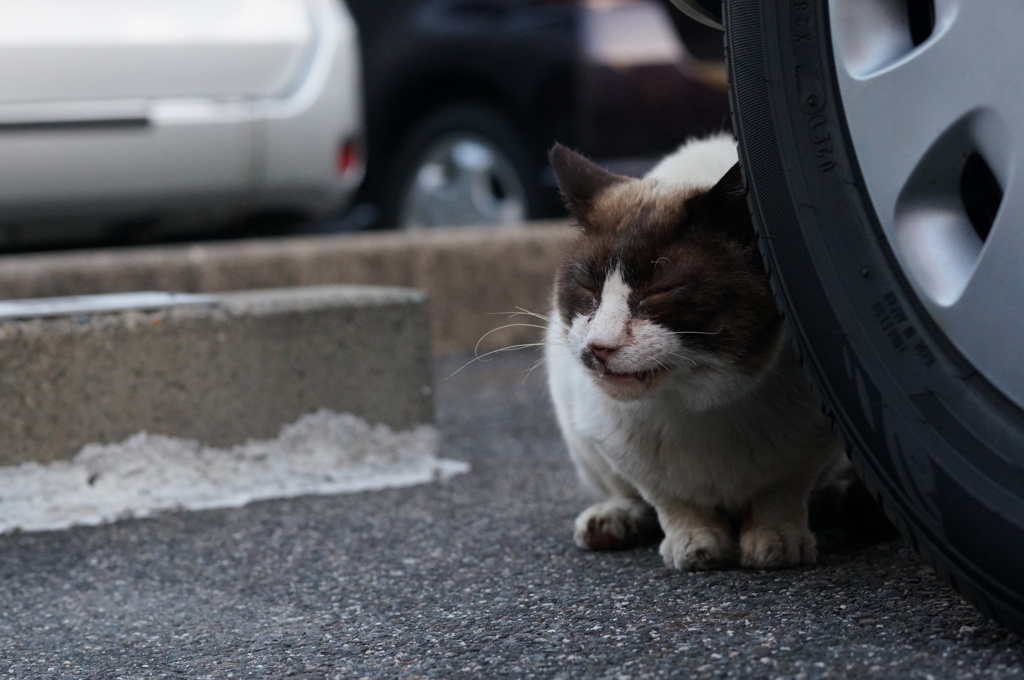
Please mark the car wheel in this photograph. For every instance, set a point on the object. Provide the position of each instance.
(878, 141)
(463, 164)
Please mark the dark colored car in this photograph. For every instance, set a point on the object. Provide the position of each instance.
(465, 97)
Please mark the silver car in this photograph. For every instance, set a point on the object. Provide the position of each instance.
(140, 113)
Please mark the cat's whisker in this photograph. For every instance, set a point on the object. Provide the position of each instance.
(720, 329)
(537, 345)
(660, 365)
(542, 317)
(483, 337)
(684, 358)
(520, 311)
(485, 355)
(537, 364)
(513, 325)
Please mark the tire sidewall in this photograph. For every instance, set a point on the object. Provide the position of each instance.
(932, 438)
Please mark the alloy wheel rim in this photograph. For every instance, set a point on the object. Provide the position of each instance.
(463, 179)
(935, 119)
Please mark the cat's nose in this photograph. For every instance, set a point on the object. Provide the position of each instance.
(602, 352)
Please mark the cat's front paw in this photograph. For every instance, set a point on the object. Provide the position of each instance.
(772, 547)
(699, 549)
(616, 524)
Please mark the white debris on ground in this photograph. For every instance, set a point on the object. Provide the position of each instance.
(321, 453)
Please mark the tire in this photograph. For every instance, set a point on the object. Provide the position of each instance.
(848, 216)
(463, 164)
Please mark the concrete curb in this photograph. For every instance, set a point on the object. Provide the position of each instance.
(471, 275)
(221, 373)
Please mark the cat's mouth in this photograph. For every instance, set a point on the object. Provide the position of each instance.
(638, 381)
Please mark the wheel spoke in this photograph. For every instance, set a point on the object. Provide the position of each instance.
(899, 108)
(985, 323)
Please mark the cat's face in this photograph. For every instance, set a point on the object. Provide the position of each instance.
(663, 285)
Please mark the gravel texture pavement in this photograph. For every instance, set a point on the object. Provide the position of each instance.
(474, 577)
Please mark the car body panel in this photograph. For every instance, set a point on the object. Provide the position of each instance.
(152, 110)
(130, 167)
(292, 162)
(52, 50)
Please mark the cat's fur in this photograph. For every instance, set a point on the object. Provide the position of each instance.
(674, 383)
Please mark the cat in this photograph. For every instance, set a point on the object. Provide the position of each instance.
(674, 383)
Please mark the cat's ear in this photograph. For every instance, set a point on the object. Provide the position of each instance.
(579, 179)
(726, 204)
(730, 188)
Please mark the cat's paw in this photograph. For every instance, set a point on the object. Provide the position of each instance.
(616, 524)
(772, 547)
(699, 549)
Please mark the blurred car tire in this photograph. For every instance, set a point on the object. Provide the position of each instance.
(465, 163)
(849, 213)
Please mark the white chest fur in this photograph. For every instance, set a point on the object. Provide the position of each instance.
(668, 446)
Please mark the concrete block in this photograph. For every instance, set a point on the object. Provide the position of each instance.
(223, 372)
(472, 275)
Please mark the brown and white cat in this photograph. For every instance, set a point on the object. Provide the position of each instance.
(677, 391)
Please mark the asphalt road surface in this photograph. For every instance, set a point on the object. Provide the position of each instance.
(474, 577)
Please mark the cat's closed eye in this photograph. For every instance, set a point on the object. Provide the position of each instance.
(583, 282)
(582, 277)
(586, 290)
(664, 294)
(587, 294)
